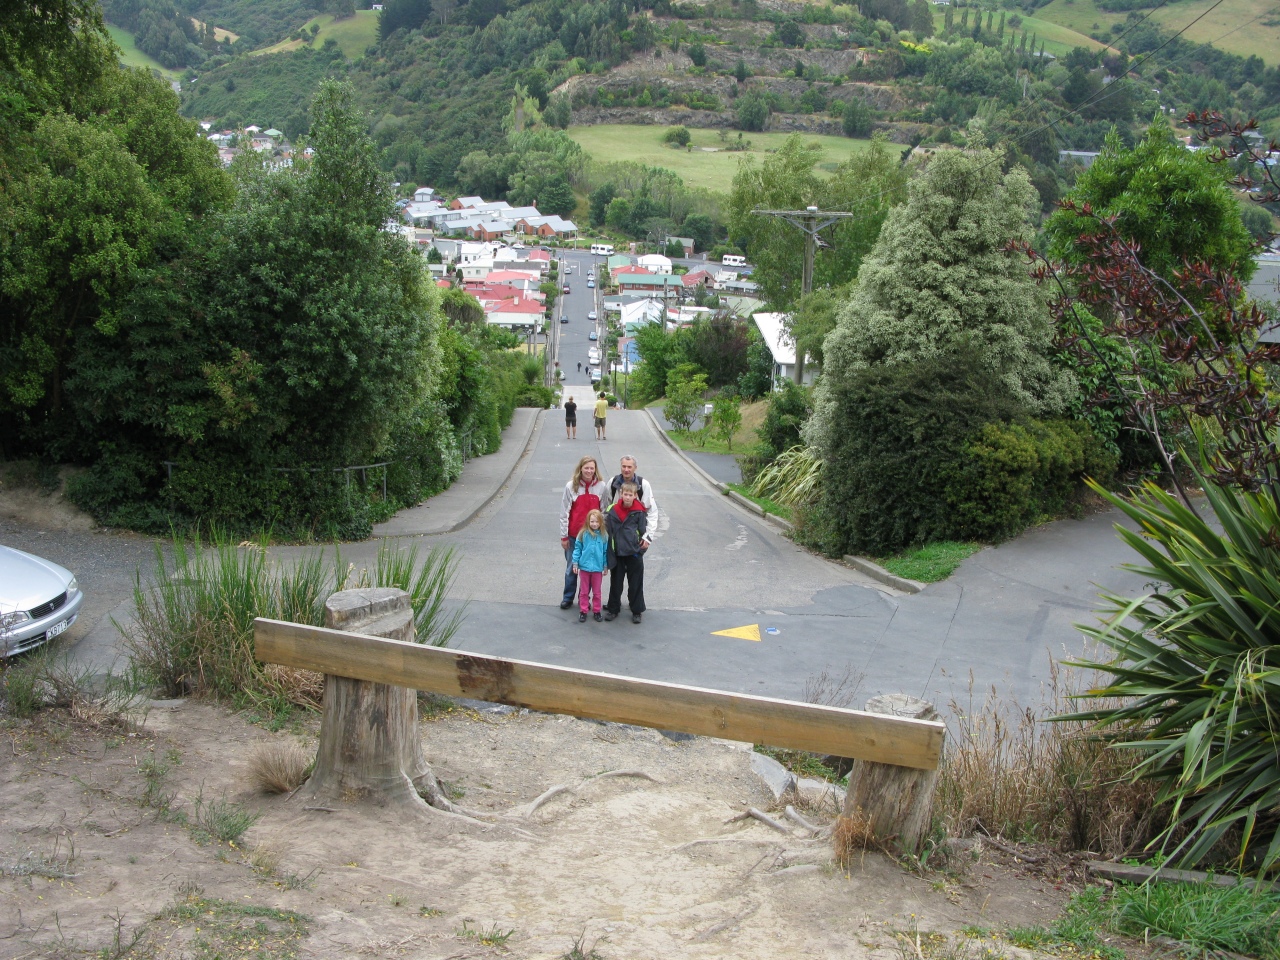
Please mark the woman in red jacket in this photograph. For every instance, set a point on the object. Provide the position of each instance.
(584, 492)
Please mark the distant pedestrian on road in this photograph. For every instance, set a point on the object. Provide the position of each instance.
(584, 492)
(628, 528)
(579, 366)
(602, 411)
(644, 490)
(590, 563)
(571, 419)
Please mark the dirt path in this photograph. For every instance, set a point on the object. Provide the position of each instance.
(100, 842)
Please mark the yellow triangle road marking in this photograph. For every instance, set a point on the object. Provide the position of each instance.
(750, 632)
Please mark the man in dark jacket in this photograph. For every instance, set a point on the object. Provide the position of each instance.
(628, 527)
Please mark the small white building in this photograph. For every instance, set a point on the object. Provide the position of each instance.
(641, 313)
(782, 347)
(655, 263)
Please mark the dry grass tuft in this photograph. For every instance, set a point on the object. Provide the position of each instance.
(279, 767)
(1010, 773)
(851, 836)
(304, 688)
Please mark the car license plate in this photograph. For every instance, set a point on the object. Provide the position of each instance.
(57, 628)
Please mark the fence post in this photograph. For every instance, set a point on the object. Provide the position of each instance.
(887, 802)
(370, 748)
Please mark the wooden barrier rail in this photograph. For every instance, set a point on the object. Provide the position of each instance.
(821, 729)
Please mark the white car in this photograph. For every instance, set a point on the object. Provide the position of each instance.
(38, 601)
(591, 315)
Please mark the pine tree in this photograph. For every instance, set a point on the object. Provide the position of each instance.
(964, 20)
(1000, 29)
(991, 16)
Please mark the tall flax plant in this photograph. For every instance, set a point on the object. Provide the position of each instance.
(1196, 668)
(192, 627)
(793, 479)
(427, 585)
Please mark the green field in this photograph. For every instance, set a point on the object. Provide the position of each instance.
(1059, 38)
(131, 56)
(1261, 38)
(354, 34)
(707, 164)
(1228, 27)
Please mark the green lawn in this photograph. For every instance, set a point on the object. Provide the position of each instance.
(1058, 35)
(707, 164)
(1261, 37)
(930, 563)
(131, 56)
(354, 34)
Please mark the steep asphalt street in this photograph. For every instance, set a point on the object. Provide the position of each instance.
(732, 604)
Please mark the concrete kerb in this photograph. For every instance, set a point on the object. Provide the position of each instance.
(877, 572)
(861, 564)
(455, 507)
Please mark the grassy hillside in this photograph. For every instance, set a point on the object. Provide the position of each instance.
(354, 35)
(1059, 38)
(707, 164)
(131, 56)
(1228, 27)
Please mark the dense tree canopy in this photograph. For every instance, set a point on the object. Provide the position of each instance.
(1173, 203)
(941, 276)
(108, 187)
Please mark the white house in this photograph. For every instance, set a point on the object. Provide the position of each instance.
(688, 313)
(424, 194)
(641, 313)
(782, 347)
(655, 263)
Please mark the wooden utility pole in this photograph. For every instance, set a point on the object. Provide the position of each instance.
(810, 220)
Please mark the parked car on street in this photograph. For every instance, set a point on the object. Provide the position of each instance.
(38, 601)
(566, 289)
(591, 315)
(564, 318)
(591, 284)
(593, 336)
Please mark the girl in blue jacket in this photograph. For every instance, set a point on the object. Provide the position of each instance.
(590, 552)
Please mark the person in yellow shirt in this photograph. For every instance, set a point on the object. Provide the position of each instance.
(601, 411)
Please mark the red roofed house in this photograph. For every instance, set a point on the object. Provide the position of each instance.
(695, 277)
(630, 268)
(496, 292)
(516, 312)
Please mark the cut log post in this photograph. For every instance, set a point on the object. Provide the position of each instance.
(370, 748)
(892, 804)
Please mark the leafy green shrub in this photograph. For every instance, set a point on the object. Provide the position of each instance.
(904, 428)
(788, 410)
(1011, 473)
(536, 395)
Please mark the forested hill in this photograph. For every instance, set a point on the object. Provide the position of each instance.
(438, 79)
(439, 90)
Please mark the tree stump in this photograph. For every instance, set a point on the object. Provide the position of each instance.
(370, 748)
(891, 804)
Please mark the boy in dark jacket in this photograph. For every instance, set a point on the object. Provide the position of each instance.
(628, 528)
